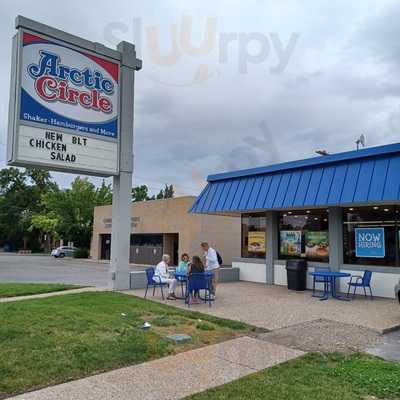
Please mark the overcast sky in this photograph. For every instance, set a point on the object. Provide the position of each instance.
(295, 77)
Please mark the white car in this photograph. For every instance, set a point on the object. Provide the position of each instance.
(397, 291)
(63, 251)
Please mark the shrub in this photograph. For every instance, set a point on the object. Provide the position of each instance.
(81, 253)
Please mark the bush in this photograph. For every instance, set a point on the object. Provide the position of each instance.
(81, 253)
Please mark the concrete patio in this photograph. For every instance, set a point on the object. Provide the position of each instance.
(275, 307)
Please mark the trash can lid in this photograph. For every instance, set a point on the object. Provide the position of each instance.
(296, 264)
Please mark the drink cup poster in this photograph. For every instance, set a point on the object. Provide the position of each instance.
(290, 243)
(64, 107)
(370, 242)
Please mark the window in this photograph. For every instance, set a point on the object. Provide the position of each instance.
(371, 235)
(146, 239)
(304, 234)
(253, 235)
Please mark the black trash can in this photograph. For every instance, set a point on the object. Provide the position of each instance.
(296, 274)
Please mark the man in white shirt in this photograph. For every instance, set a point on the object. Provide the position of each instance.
(212, 264)
(162, 275)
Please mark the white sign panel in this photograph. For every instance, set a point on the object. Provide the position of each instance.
(64, 107)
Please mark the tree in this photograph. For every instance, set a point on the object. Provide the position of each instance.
(140, 193)
(20, 198)
(167, 193)
(103, 194)
(74, 208)
(47, 225)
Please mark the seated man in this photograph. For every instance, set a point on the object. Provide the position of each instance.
(161, 274)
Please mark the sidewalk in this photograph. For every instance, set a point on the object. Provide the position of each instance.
(173, 377)
(52, 294)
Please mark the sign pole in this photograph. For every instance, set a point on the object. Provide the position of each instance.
(122, 183)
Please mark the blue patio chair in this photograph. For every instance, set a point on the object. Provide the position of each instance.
(319, 279)
(361, 282)
(152, 283)
(197, 282)
(182, 279)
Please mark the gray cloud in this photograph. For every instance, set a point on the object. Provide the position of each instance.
(381, 35)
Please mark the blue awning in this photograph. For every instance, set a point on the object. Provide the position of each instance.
(365, 176)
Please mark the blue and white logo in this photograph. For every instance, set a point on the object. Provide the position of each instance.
(370, 242)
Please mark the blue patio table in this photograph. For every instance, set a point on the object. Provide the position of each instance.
(330, 280)
(183, 278)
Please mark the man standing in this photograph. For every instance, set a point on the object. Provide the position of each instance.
(212, 264)
(161, 274)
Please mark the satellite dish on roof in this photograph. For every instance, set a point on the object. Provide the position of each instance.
(360, 140)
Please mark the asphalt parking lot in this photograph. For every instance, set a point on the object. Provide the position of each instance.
(47, 269)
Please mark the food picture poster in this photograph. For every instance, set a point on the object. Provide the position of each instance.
(256, 242)
(317, 244)
(290, 243)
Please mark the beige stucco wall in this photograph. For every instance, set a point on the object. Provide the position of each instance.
(171, 216)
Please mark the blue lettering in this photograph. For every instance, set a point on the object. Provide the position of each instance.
(49, 64)
(75, 76)
(63, 72)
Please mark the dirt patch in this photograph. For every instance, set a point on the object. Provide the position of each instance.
(324, 336)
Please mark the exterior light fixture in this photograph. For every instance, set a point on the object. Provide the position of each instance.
(386, 209)
(351, 209)
(376, 208)
(308, 211)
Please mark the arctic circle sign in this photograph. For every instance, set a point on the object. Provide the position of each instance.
(64, 107)
(71, 110)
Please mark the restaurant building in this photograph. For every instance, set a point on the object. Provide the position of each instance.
(165, 226)
(341, 211)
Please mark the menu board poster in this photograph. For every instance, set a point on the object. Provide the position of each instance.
(256, 242)
(317, 244)
(290, 243)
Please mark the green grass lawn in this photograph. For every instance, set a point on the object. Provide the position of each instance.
(24, 289)
(53, 340)
(316, 377)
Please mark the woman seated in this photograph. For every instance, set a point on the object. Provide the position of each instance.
(182, 268)
(196, 267)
